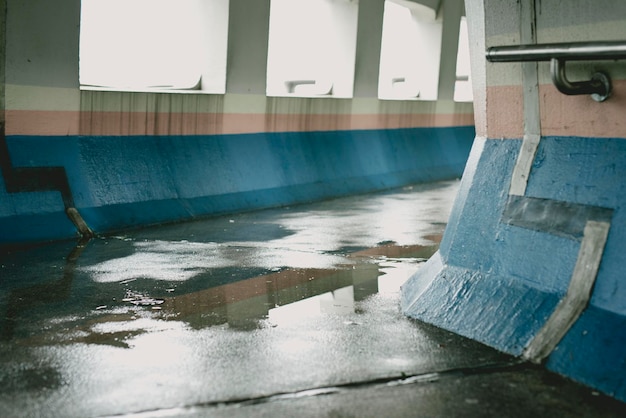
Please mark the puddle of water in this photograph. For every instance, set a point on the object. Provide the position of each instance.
(277, 299)
(172, 310)
(78, 347)
(73, 308)
(277, 302)
(240, 270)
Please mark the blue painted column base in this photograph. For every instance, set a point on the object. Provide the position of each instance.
(498, 311)
(593, 352)
(499, 281)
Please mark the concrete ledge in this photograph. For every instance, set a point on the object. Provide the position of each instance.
(36, 227)
(126, 182)
(501, 312)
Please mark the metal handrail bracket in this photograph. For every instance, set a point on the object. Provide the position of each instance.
(599, 86)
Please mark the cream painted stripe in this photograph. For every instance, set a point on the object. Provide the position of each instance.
(41, 98)
(110, 101)
(245, 103)
(578, 294)
(260, 104)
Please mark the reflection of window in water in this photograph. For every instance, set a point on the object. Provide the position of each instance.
(338, 302)
(363, 279)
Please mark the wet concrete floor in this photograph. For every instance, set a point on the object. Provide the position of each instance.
(283, 312)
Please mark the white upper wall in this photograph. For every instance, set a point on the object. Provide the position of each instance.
(42, 47)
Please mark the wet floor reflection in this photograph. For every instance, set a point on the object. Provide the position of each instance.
(71, 305)
(230, 270)
(22, 299)
(242, 304)
(168, 299)
(226, 310)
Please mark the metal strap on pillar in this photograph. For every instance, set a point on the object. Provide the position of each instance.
(599, 86)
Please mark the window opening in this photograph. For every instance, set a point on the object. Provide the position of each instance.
(463, 85)
(410, 52)
(312, 47)
(154, 45)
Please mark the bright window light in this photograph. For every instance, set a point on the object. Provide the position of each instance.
(410, 52)
(312, 47)
(463, 85)
(154, 45)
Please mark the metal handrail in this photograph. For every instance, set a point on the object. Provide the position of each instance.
(570, 51)
(558, 53)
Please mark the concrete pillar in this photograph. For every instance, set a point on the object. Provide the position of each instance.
(475, 14)
(451, 12)
(369, 36)
(42, 34)
(495, 277)
(5, 160)
(3, 25)
(248, 34)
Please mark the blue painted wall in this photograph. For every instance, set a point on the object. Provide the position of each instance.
(498, 283)
(121, 182)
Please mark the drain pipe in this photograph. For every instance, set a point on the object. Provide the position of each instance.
(32, 179)
(39, 179)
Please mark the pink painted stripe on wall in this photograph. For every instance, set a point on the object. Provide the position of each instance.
(561, 115)
(40, 122)
(26, 122)
(505, 112)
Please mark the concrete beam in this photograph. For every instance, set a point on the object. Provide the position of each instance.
(451, 11)
(248, 34)
(368, 43)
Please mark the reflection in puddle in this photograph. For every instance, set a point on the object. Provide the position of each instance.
(178, 261)
(140, 299)
(160, 260)
(254, 270)
(279, 298)
(337, 302)
(242, 304)
(49, 292)
(167, 315)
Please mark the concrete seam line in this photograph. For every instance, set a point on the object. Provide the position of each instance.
(390, 381)
(521, 172)
(578, 293)
(532, 119)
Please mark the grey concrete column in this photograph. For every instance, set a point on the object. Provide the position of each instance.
(451, 12)
(42, 42)
(248, 34)
(3, 25)
(369, 37)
